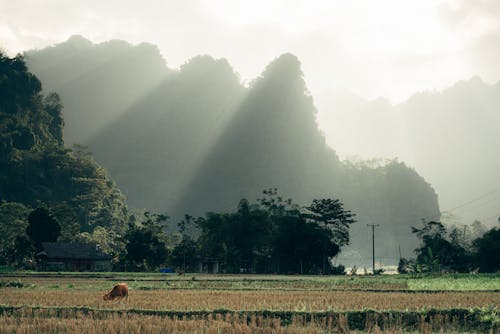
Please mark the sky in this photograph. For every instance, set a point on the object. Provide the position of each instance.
(388, 48)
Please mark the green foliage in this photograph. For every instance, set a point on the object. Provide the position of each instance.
(146, 243)
(15, 284)
(109, 241)
(42, 227)
(67, 219)
(331, 214)
(19, 88)
(13, 223)
(436, 252)
(405, 266)
(37, 170)
(443, 250)
(186, 255)
(270, 236)
(487, 255)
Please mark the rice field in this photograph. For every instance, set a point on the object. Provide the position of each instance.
(55, 303)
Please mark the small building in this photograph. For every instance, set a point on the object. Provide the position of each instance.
(73, 256)
(209, 265)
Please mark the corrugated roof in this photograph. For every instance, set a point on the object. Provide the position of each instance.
(73, 250)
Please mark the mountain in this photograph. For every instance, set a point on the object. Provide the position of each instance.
(272, 141)
(200, 141)
(99, 82)
(160, 142)
(449, 136)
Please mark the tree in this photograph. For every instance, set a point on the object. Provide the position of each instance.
(37, 168)
(275, 204)
(145, 243)
(270, 236)
(488, 251)
(331, 214)
(185, 255)
(13, 223)
(436, 251)
(18, 87)
(23, 250)
(42, 227)
(54, 107)
(303, 247)
(67, 219)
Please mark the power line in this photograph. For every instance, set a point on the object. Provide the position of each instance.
(473, 200)
(483, 203)
(488, 218)
(465, 204)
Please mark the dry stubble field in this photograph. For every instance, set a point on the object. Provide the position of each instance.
(55, 303)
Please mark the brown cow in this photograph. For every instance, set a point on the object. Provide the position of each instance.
(120, 290)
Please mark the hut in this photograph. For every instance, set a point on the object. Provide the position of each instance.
(74, 256)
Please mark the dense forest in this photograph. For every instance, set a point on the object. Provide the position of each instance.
(195, 139)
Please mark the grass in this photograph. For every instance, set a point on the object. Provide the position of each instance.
(456, 283)
(150, 281)
(48, 303)
(309, 301)
(262, 321)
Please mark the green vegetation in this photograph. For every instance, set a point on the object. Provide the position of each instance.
(41, 176)
(432, 319)
(451, 251)
(456, 282)
(147, 281)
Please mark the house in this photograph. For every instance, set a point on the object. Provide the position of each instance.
(74, 256)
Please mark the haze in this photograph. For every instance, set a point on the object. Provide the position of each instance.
(385, 48)
(352, 52)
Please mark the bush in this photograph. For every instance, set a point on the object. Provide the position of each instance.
(15, 284)
(337, 270)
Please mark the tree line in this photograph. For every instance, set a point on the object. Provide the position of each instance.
(272, 235)
(452, 249)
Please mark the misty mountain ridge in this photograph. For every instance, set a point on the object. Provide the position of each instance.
(197, 140)
(79, 70)
(450, 136)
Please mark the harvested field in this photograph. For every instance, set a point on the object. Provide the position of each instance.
(187, 300)
(64, 303)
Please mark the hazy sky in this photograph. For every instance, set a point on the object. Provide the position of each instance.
(389, 48)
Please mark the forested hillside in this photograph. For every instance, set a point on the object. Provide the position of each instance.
(37, 170)
(200, 141)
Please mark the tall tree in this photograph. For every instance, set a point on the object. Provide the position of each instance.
(146, 243)
(331, 214)
(42, 227)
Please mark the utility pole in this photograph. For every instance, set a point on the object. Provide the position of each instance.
(373, 244)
